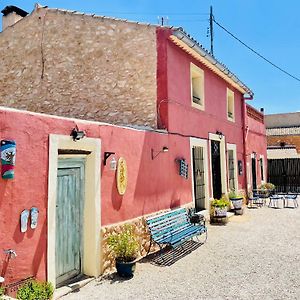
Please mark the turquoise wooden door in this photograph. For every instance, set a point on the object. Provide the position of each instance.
(69, 219)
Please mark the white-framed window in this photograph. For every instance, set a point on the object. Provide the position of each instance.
(230, 105)
(197, 87)
(232, 167)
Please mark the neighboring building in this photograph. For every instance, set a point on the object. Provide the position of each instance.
(283, 138)
(255, 143)
(283, 132)
(156, 79)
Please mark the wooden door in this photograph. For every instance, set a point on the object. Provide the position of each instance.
(69, 219)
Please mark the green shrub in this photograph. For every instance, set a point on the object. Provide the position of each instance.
(35, 290)
(2, 289)
(233, 194)
(221, 203)
(267, 186)
(124, 245)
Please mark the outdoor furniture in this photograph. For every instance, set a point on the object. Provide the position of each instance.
(255, 200)
(173, 228)
(262, 194)
(274, 200)
(290, 198)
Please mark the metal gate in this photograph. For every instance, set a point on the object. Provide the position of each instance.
(285, 174)
(199, 183)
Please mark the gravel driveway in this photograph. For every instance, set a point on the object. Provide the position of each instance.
(255, 256)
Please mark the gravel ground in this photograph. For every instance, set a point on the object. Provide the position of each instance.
(255, 256)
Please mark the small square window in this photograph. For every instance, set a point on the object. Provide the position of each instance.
(230, 105)
(197, 87)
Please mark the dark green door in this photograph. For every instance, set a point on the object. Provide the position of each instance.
(69, 219)
(216, 169)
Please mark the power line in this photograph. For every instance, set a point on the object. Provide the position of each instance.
(254, 51)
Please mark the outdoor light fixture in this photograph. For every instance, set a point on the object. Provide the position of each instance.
(220, 134)
(113, 164)
(77, 134)
(156, 153)
(106, 156)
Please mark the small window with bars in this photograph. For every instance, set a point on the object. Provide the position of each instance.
(231, 170)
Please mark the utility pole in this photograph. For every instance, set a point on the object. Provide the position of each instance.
(211, 30)
(163, 20)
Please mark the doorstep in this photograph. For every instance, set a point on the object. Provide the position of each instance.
(67, 289)
(205, 213)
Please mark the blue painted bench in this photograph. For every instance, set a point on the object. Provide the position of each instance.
(173, 228)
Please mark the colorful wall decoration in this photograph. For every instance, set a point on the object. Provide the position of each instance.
(8, 158)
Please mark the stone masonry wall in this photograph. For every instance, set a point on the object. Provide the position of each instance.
(143, 237)
(80, 66)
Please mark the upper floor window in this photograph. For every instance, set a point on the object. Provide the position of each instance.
(197, 87)
(230, 105)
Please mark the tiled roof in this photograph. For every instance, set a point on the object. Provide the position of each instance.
(283, 131)
(282, 120)
(195, 45)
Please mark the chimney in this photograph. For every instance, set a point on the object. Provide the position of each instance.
(11, 15)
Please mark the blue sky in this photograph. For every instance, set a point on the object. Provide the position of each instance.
(270, 27)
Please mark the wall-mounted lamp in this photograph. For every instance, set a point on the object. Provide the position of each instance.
(113, 162)
(77, 134)
(156, 153)
(220, 134)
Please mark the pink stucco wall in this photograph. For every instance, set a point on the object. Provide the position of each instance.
(174, 104)
(152, 184)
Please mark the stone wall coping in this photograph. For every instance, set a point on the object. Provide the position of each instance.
(87, 122)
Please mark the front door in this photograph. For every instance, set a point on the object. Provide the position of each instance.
(198, 177)
(69, 219)
(216, 169)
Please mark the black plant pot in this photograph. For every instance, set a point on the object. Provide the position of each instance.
(125, 269)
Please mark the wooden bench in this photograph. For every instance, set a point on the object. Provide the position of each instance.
(173, 228)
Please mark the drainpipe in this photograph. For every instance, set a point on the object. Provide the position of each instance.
(245, 128)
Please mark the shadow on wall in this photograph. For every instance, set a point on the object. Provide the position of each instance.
(158, 184)
(117, 199)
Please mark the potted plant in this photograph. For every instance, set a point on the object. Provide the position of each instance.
(124, 246)
(220, 207)
(236, 199)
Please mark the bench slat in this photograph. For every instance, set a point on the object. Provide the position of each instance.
(188, 230)
(173, 228)
(165, 218)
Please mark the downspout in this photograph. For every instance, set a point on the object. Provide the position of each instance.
(245, 134)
